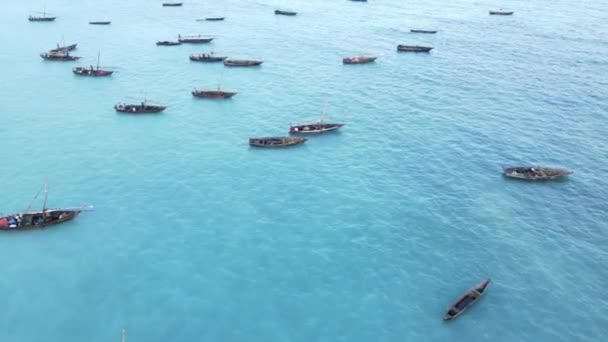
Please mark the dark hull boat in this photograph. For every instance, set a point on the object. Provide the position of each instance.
(501, 12)
(194, 39)
(213, 94)
(276, 142)
(241, 63)
(172, 4)
(215, 19)
(413, 48)
(92, 72)
(466, 300)
(423, 31)
(208, 58)
(32, 18)
(535, 173)
(100, 22)
(167, 43)
(58, 56)
(289, 13)
(142, 108)
(314, 128)
(358, 60)
(64, 48)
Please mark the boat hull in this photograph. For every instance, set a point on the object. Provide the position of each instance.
(100, 22)
(139, 109)
(501, 12)
(287, 13)
(207, 59)
(64, 48)
(423, 31)
(41, 19)
(213, 94)
(359, 60)
(37, 220)
(465, 301)
(91, 73)
(276, 142)
(237, 63)
(410, 48)
(314, 128)
(535, 173)
(168, 43)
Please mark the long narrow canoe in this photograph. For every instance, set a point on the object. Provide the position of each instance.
(466, 300)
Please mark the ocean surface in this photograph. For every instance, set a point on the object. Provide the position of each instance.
(358, 236)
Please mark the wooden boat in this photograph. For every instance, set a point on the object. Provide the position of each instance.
(167, 43)
(63, 56)
(423, 31)
(213, 94)
(39, 219)
(207, 57)
(359, 0)
(466, 300)
(142, 108)
(276, 142)
(501, 12)
(214, 19)
(172, 4)
(100, 22)
(92, 71)
(358, 60)
(241, 62)
(279, 12)
(413, 48)
(314, 127)
(64, 48)
(42, 18)
(535, 172)
(197, 39)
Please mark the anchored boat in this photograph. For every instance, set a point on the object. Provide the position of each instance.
(276, 142)
(358, 60)
(535, 172)
(64, 48)
(194, 39)
(172, 4)
(466, 300)
(214, 19)
(423, 31)
(142, 108)
(100, 22)
(39, 219)
(314, 127)
(290, 13)
(213, 94)
(413, 48)
(92, 71)
(44, 17)
(501, 11)
(63, 56)
(207, 57)
(167, 43)
(241, 62)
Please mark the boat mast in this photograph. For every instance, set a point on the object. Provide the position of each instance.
(46, 195)
(98, 54)
(124, 335)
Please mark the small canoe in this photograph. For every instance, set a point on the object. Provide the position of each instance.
(314, 128)
(100, 22)
(167, 43)
(214, 19)
(466, 300)
(289, 13)
(213, 94)
(207, 58)
(358, 60)
(142, 108)
(423, 31)
(535, 172)
(501, 12)
(241, 62)
(413, 48)
(172, 4)
(276, 142)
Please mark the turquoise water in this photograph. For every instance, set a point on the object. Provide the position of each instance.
(363, 235)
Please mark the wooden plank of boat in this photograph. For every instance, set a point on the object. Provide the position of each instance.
(276, 142)
(242, 62)
(142, 108)
(466, 300)
(413, 48)
(501, 12)
(213, 94)
(100, 22)
(288, 13)
(423, 31)
(358, 60)
(167, 43)
(535, 172)
(172, 4)
(314, 128)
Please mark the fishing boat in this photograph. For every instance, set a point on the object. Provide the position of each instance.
(195, 39)
(100, 22)
(276, 142)
(423, 31)
(172, 4)
(207, 57)
(167, 43)
(501, 11)
(317, 127)
(358, 60)
(63, 56)
(92, 71)
(214, 19)
(241, 62)
(142, 108)
(466, 300)
(39, 219)
(290, 13)
(64, 48)
(535, 172)
(359, 0)
(213, 94)
(44, 17)
(413, 48)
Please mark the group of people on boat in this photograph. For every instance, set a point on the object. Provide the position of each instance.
(20, 220)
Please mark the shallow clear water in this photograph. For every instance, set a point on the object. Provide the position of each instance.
(363, 235)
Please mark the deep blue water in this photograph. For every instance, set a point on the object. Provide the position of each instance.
(363, 235)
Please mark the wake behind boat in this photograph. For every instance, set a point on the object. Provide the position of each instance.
(466, 300)
(39, 219)
(276, 142)
(535, 172)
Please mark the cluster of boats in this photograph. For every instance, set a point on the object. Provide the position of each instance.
(310, 128)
